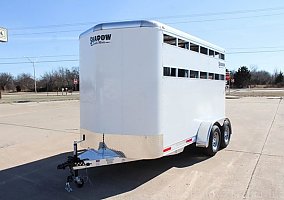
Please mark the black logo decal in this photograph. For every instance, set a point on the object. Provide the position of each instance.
(100, 39)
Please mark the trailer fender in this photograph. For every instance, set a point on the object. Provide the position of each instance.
(203, 133)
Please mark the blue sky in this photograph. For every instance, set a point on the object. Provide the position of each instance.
(251, 31)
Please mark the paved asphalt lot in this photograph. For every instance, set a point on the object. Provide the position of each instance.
(36, 137)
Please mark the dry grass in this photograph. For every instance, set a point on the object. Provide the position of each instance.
(23, 97)
(257, 92)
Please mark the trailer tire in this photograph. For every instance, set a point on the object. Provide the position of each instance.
(226, 134)
(79, 181)
(214, 141)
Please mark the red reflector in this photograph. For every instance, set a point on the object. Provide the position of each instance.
(167, 149)
(189, 140)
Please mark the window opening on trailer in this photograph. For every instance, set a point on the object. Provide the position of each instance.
(211, 53)
(170, 40)
(211, 76)
(194, 74)
(194, 47)
(183, 44)
(183, 73)
(217, 54)
(222, 56)
(169, 71)
(217, 76)
(203, 75)
(203, 50)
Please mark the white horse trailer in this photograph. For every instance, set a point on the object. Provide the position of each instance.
(146, 91)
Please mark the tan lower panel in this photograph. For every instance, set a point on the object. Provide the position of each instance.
(132, 146)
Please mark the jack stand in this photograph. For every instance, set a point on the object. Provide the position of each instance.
(68, 187)
(71, 162)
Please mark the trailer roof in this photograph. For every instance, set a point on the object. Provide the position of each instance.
(149, 23)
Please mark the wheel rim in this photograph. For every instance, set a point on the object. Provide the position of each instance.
(226, 135)
(215, 141)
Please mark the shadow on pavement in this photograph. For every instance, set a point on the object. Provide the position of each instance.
(41, 179)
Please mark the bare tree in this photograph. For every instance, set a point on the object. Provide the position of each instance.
(70, 75)
(260, 77)
(47, 82)
(60, 78)
(24, 82)
(279, 79)
(6, 81)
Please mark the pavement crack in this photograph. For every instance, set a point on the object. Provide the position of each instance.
(254, 153)
(5, 146)
(240, 151)
(261, 152)
(272, 155)
(34, 127)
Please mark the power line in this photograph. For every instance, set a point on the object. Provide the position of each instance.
(43, 61)
(46, 32)
(44, 56)
(260, 51)
(222, 19)
(265, 47)
(221, 13)
(53, 26)
(179, 22)
(159, 17)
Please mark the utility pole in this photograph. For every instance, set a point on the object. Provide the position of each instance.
(3, 38)
(33, 62)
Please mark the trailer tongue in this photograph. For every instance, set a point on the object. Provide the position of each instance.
(89, 158)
